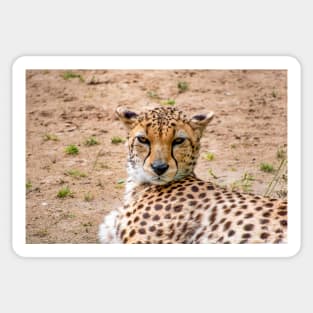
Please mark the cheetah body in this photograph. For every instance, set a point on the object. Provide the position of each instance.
(166, 203)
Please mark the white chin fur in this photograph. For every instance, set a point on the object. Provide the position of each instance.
(107, 230)
(139, 176)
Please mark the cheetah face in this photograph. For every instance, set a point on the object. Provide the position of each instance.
(163, 143)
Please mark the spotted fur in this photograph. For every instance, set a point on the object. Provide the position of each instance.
(166, 203)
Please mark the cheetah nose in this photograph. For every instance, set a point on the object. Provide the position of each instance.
(159, 167)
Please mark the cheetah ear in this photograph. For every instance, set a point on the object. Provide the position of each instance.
(126, 116)
(200, 121)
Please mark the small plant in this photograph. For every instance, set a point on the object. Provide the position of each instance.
(100, 152)
(28, 185)
(92, 141)
(247, 180)
(69, 75)
(266, 167)
(244, 183)
(42, 233)
(116, 140)
(233, 146)
(61, 181)
(212, 174)
(283, 193)
(120, 183)
(153, 95)
(281, 154)
(182, 86)
(88, 197)
(50, 137)
(209, 156)
(104, 166)
(75, 173)
(168, 102)
(94, 81)
(72, 150)
(274, 94)
(278, 184)
(64, 192)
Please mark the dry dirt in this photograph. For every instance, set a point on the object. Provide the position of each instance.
(249, 128)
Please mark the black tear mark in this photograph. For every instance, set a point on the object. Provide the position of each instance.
(200, 117)
(130, 114)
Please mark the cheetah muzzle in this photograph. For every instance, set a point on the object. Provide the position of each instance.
(166, 203)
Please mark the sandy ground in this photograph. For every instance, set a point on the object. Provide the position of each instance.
(249, 128)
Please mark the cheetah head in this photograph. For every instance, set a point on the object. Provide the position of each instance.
(163, 143)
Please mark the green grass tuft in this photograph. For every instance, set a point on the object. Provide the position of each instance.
(120, 183)
(92, 141)
(244, 183)
(209, 156)
(75, 173)
(281, 154)
(212, 173)
(50, 137)
(64, 192)
(182, 86)
(69, 75)
(72, 150)
(153, 95)
(42, 233)
(28, 185)
(266, 167)
(278, 185)
(116, 140)
(168, 102)
(88, 197)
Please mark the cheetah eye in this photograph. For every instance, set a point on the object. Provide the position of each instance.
(143, 140)
(178, 141)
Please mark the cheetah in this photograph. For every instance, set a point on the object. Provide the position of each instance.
(165, 203)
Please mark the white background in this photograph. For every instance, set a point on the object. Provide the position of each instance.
(164, 28)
